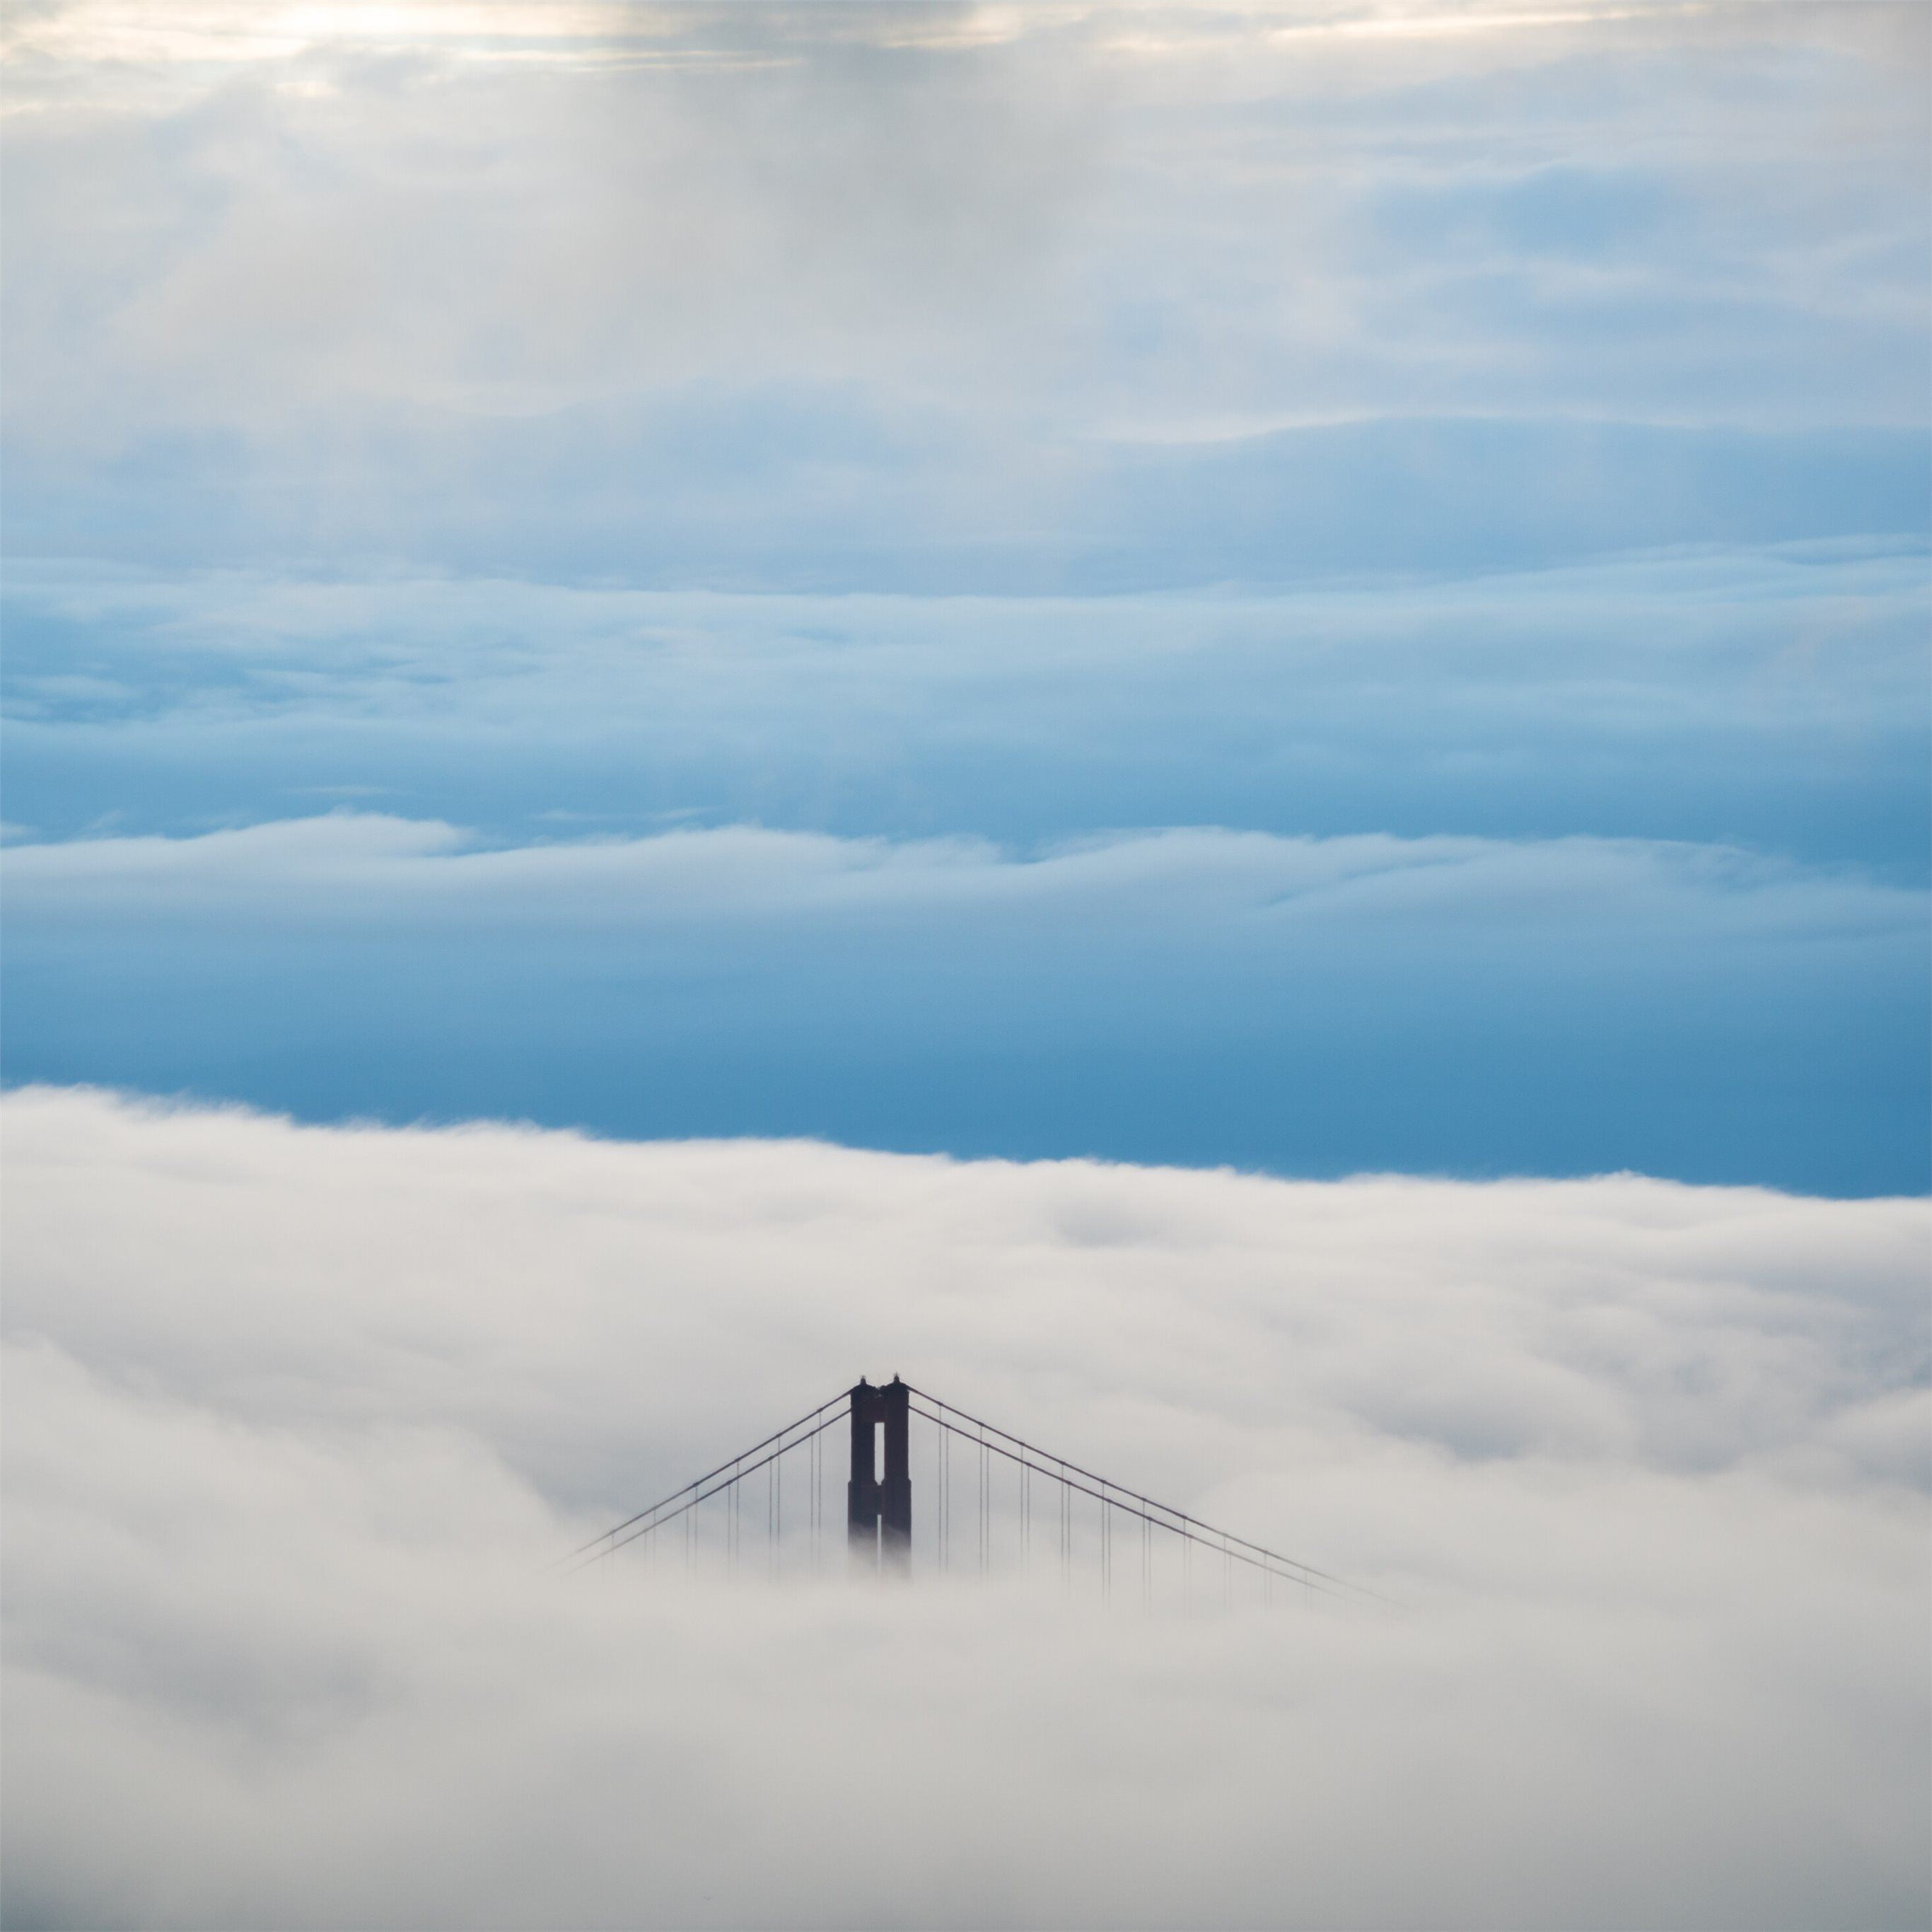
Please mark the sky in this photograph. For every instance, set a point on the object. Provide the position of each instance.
(1210, 724)
(1318, 589)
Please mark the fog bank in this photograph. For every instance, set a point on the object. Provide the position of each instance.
(298, 1417)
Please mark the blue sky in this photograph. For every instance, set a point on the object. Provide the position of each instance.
(1318, 588)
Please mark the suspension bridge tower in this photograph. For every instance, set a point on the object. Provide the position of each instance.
(878, 1505)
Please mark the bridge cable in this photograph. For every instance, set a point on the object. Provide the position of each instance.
(1207, 1530)
(683, 1509)
(809, 1416)
(1262, 1562)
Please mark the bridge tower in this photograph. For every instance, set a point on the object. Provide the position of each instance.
(878, 1507)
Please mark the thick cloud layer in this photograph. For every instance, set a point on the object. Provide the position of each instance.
(296, 1417)
(1026, 298)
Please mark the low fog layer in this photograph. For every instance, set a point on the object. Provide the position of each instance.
(298, 1417)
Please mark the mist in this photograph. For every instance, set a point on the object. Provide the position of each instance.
(300, 1420)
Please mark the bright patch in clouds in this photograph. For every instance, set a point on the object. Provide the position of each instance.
(296, 1417)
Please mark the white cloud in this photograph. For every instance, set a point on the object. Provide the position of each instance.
(296, 1416)
(1785, 685)
(294, 224)
(866, 298)
(348, 867)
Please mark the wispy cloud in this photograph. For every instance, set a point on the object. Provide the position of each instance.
(350, 866)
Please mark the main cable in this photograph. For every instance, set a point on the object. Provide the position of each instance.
(683, 1509)
(810, 1414)
(1114, 1502)
(1205, 1530)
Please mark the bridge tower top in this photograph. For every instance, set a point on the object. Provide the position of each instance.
(878, 1502)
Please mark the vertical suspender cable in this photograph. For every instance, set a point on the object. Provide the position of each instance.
(985, 1503)
(1108, 1497)
(1066, 1531)
(1106, 1511)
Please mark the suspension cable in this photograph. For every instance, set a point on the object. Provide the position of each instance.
(1115, 1502)
(810, 1415)
(1030, 1459)
(1026, 1517)
(986, 1508)
(1205, 1530)
(683, 1509)
(942, 1472)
